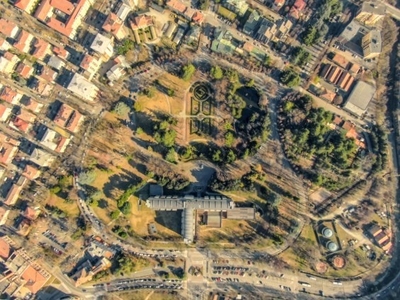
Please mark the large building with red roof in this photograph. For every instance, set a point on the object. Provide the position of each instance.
(64, 16)
(25, 5)
(9, 28)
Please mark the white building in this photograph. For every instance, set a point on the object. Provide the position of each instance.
(103, 45)
(80, 86)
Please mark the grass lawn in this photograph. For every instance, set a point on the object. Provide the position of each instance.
(308, 233)
(71, 209)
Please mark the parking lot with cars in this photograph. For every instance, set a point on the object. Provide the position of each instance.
(139, 283)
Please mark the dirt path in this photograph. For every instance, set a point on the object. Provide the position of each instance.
(149, 295)
(169, 104)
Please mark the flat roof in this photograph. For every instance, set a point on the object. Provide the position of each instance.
(217, 203)
(241, 213)
(359, 98)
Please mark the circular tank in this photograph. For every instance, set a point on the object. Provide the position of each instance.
(327, 233)
(331, 246)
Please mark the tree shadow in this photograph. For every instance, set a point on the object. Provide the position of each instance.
(103, 203)
(119, 182)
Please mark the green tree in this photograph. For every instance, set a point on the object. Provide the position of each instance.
(114, 214)
(121, 109)
(168, 138)
(150, 91)
(188, 71)
(171, 92)
(87, 177)
(216, 157)
(229, 139)
(290, 78)
(231, 157)
(217, 73)
(55, 189)
(250, 83)
(267, 61)
(310, 35)
(138, 106)
(139, 130)
(171, 155)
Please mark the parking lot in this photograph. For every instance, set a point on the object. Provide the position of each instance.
(141, 283)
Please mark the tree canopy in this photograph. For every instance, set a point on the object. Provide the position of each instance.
(188, 71)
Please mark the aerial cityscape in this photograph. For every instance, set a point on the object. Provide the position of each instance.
(199, 150)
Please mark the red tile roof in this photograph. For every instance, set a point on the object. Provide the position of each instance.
(5, 249)
(46, 6)
(85, 63)
(8, 94)
(63, 115)
(7, 27)
(299, 4)
(21, 124)
(198, 17)
(177, 5)
(340, 60)
(112, 23)
(7, 152)
(40, 48)
(34, 279)
(26, 116)
(24, 70)
(141, 22)
(30, 172)
(48, 74)
(31, 213)
(23, 39)
(61, 52)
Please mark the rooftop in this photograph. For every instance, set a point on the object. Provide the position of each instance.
(359, 98)
(102, 44)
(82, 87)
(176, 203)
(375, 8)
(8, 28)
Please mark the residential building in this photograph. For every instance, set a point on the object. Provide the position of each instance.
(370, 13)
(266, 31)
(252, 23)
(68, 118)
(48, 74)
(4, 212)
(82, 88)
(31, 172)
(30, 104)
(25, 5)
(114, 25)
(9, 140)
(140, 23)
(40, 49)
(123, 11)
(354, 68)
(115, 73)
(20, 270)
(20, 125)
(7, 152)
(9, 95)
(5, 112)
(238, 6)
(49, 138)
(41, 87)
(9, 28)
(179, 35)
(12, 60)
(283, 28)
(4, 45)
(103, 45)
(381, 237)
(171, 29)
(359, 98)
(26, 116)
(55, 62)
(24, 70)
(41, 157)
(62, 144)
(188, 204)
(91, 65)
(12, 195)
(61, 52)
(64, 16)
(278, 4)
(296, 10)
(23, 41)
(372, 44)
(187, 12)
(351, 37)
(87, 270)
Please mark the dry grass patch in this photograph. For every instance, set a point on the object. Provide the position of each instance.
(71, 208)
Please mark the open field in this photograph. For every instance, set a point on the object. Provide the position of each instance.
(71, 208)
(167, 223)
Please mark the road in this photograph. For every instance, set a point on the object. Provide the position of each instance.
(391, 10)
